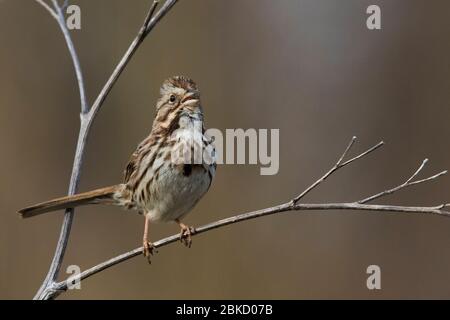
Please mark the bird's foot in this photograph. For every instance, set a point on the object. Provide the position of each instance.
(186, 235)
(148, 250)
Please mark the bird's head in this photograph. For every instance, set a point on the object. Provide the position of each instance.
(178, 95)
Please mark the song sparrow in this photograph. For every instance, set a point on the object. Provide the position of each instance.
(160, 182)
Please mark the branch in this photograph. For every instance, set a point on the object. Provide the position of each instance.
(407, 183)
(63, 239)
(58, 14)
(46, 290)
(48, 8)
(149, 23)
(339, 164)
(76, 62)
(292, 205)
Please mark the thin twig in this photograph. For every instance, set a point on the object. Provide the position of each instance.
(48, 8)
(339, 164)
(406, 184)
(375, 147)
(46, 290)
(148, 18)
(415, 174)
(130, 52)
(65, 5)
(76, 61)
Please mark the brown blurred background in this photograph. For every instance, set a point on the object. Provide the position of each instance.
(310, 68)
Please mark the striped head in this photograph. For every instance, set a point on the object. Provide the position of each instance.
(179, 97)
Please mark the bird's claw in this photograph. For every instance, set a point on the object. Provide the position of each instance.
(186, 235)
(149, 250)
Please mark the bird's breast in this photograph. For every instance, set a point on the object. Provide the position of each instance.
(178, 176)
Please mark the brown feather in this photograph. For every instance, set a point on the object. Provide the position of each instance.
(103, 196)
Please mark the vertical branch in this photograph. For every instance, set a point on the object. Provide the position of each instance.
(63, 239)
(48, 288)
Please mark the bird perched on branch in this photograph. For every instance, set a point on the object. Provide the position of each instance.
(168, 173)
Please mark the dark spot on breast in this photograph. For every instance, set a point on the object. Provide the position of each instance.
(187, 170)
(174, 125)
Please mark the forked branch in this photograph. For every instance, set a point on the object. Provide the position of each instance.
(46, 290)
(292, 205)
(407, 183)
(339, 164)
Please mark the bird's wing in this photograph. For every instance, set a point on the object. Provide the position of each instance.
(131, 166)
(136, 157)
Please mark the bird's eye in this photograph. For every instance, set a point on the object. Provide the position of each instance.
(172, 98)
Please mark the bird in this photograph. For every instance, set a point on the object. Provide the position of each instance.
(167, 174)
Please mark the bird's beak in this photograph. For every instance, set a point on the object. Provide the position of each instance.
(190, 99)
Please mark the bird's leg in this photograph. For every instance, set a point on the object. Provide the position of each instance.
(186, 233)
(148, 246)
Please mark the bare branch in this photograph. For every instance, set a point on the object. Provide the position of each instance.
(406, 184)
(46, 290)
(65, 5)
(63, 239)
(440, 174)
(48, 8)
(437, 210)
(76, 62)
(148, 18)
(149, 23)
(424, 162)
(62, 286)
(339, 164)
(365, 153)
(344, 154)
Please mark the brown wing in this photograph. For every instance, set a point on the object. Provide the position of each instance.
(135, 159)
(131, 166)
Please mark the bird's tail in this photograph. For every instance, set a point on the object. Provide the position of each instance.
(101, 196)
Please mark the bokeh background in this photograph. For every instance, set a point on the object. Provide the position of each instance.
(308, 67)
